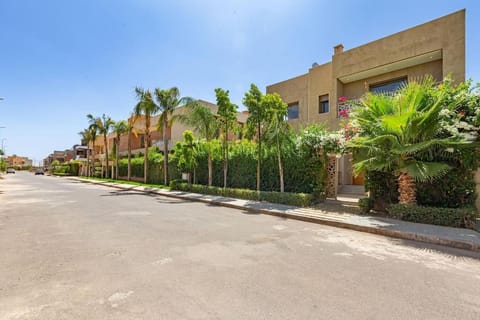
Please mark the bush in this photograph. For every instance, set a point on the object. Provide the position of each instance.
(365, 205)
(294, 199)
(451, 217)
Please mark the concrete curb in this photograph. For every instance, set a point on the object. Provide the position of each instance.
(458, 244)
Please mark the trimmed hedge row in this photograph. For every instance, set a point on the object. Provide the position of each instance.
(294, 199)
(452, 217)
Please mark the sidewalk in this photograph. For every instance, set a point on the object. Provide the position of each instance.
(333, 216)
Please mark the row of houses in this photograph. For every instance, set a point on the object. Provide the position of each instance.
(435, 48)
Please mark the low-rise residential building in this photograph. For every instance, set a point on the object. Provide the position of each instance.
(174, 133)
(435, 48)
(18, 161)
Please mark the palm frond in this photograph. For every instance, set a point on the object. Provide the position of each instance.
(426, 171)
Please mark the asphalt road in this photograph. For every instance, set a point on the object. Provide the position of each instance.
(71, 250)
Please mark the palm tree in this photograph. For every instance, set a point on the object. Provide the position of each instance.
(146, 107)
(278, 130)
(103, 125)
(131, 130)
(203, 121)
(403, 134)
(93, 128)
(119, 128)
(167, 101)
(86, 139)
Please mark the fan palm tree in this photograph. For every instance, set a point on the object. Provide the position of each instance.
(278, 130)
(103, 125)
(203, 121)
(145, 107)
(167, 101)
(119, 128)
(403, 134)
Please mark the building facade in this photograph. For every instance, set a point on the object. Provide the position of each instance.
(435, 48)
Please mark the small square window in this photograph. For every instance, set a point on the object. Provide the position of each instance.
(323, 104)
(292, 111)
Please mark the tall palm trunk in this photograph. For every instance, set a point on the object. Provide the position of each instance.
(165, 150)
(225, 160)
(407, 189)
(93, 159)
(147, 144)
(117, 145)
(280, 165)
(210, 169)
(106, 155)
(129, 166)
(259, 156)
(88, 162)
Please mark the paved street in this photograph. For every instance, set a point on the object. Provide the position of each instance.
(71, 250)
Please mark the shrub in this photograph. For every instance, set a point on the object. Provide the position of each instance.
(451, 217)
(294, 199)
(365, 205)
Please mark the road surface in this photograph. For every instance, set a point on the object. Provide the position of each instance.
(71, 250)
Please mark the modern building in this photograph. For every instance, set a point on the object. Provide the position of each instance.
(18, 161)
(60, 156)
(137, 137)
(435, 48)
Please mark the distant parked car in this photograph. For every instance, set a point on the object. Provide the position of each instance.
(10, 170)
(39, 171)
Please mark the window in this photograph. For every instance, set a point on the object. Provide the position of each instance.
(292, 111)
(142, 141)
(388, 87)
(323, 105)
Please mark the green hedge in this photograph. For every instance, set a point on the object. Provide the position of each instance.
(294, 199)
(451, 217)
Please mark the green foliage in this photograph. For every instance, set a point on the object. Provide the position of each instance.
(454, 190)
(227, 117)
(185, 152)
(294, 199)
(412, 132)
(452, 217)
(365, 205)
(67, 169)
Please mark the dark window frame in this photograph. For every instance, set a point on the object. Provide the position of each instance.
(289, 112)
(322, 101)
(402, 81)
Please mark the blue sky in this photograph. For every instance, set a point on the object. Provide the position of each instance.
(61, 60)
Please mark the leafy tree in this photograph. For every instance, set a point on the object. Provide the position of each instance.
(255, 121)
(145, 107)
(403, 134)
(227, 117)
(119, 128)
(204, 121)
(167, 101)
(278, 131)
(185, 151)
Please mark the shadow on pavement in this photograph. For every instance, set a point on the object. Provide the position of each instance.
(452, 253)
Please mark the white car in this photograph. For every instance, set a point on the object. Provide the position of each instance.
(10, 170)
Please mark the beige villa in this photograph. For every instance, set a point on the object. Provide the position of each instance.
(435, 48)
